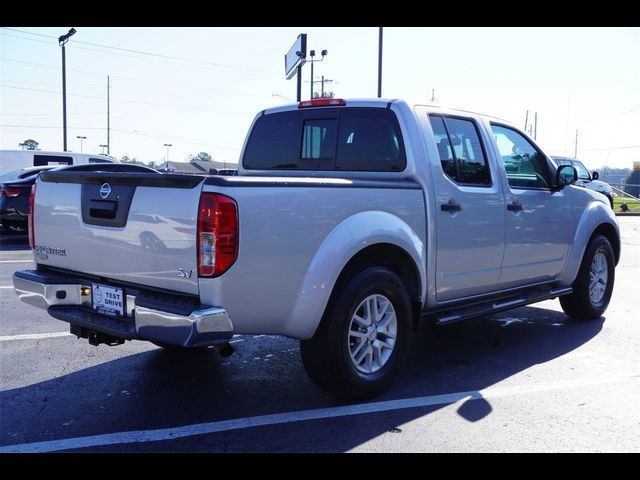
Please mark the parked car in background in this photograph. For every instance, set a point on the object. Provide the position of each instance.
(586, 179)
(14, 197)
(11, 160)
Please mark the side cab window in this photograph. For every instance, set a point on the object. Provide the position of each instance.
(525, 165)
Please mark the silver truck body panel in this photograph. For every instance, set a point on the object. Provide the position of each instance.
(295, 241)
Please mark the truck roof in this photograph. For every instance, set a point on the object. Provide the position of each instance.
(385, 103)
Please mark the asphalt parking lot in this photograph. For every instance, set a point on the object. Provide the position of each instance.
(525, 380)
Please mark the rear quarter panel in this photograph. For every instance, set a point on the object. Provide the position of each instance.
(294, 241)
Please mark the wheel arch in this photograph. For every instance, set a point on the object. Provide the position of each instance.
(596, 219)
(367, 238)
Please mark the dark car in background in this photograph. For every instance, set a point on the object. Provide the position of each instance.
(587, 179)
(14, 197)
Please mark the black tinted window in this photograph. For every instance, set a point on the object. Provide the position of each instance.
(461, 154)
(356, 139)
(369, 140)
(39, 160)
(274, 142)
(445, 150)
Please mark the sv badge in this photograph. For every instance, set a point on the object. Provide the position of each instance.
(184, 272)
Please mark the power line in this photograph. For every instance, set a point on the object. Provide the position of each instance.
(245, 70)
(137, 102)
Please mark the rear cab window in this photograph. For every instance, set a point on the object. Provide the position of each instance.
(343, 139)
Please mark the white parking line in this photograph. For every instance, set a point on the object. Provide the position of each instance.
(33, 336)
(16, 261)
(141, 436)
(7, 286)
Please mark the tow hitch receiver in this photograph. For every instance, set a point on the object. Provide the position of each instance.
(95, 338)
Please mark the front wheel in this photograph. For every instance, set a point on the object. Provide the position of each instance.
(363, 337)
(594, 284)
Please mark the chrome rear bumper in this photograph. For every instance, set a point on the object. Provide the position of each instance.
(162, 320)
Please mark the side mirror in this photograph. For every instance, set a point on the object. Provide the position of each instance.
(566, 175)
(595, 175)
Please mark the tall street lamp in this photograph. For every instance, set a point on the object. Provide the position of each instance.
(81, 139)
(62, 40)
(167, 160)
(312, 53)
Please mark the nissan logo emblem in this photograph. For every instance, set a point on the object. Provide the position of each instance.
(105, 190)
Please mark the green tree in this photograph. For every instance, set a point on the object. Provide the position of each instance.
(201, 157)
(30, 144)
(633, 179)
(128, 159)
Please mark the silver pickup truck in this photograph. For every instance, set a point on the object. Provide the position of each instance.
(348, 223)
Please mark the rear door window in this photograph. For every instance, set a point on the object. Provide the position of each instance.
(460, 149)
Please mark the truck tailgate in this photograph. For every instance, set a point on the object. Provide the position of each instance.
(131, 227)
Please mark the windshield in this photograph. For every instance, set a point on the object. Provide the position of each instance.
(583, 173)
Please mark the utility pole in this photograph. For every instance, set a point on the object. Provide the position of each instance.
(379, 62)
(535, 126)
(433, 95)
(108, 116)
(575, 152)
(526, 120)
(322, 82)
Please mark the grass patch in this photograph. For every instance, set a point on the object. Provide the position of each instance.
(634, 205)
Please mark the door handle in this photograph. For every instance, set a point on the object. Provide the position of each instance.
(450, 207)
(515, 207)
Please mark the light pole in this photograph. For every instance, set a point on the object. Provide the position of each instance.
(166, 167)
(81, 139)
(379, 62)
(312, 53)
(103, 147)
(62, 40)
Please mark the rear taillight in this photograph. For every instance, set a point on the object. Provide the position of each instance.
(11, 191)
(32, 202)
(217, 234)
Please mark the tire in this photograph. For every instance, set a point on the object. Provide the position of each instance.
(582, 304)
(345, 356)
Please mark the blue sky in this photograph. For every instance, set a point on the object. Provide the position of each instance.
(202, 87)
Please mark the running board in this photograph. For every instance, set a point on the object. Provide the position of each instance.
(487, 308)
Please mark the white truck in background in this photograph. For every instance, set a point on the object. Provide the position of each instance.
(348, 223)
(11, 160)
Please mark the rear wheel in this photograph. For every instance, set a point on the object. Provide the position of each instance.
(363, 337)
(594, 284)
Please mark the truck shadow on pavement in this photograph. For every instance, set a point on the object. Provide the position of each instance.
(160, 389)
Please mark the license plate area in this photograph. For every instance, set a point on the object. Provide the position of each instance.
(107, 300)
